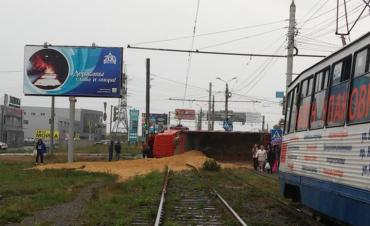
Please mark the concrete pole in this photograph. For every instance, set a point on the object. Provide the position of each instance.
(72, 103)
(213, 112)
(147, 99)
(209, 107)
(52, 124)
(227, 101)
(289, 72)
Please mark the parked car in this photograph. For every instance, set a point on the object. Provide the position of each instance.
(103, 142)
(3, 145)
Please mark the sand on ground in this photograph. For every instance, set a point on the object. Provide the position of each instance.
(126, 169)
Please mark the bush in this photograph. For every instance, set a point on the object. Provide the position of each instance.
(211, 165)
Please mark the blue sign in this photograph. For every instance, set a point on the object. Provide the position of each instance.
(276, 136)
(279, 94)
(72, 71)
(228, 125)
(133, 126)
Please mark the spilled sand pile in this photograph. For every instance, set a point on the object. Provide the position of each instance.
(126, 169)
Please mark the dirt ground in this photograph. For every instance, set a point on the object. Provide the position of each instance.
(126, 169)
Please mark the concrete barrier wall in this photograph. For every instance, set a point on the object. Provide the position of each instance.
(226, 146)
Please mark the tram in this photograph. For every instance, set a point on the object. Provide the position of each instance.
(325, 153)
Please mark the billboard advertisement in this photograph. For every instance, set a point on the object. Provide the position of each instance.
(157, 122)
(72, 71)
(186, 114)
(133, 126)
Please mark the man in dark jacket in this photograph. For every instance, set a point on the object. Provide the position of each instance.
(117, 148)
(41, 149)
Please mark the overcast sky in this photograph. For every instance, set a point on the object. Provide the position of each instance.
(122, 22)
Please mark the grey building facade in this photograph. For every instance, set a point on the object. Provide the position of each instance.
(11, 130)
(88, 123)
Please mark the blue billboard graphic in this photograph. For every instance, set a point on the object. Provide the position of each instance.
(72, 71)
(133, 126)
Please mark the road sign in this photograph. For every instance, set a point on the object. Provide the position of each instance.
(228, 125)
(279, 94)
(276, 136)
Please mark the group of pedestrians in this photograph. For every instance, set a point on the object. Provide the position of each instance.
(116, 146)
(266, 159)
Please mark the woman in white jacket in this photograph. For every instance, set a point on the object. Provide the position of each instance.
(261, 156)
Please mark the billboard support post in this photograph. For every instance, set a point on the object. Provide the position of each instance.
(72, 103)
(52, 124)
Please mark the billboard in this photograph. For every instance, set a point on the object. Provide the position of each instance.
(133, 126)
(45, 134)
(253, 117)
(234, 116)
(72, 71)
(186, 114)
(157, 122)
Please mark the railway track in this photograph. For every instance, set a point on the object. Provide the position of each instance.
(304, 215)
(199, 206)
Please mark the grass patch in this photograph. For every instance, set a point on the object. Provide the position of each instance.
(255, 198)
(25, 191)
(119, 204)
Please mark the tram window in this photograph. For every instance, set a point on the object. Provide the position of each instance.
(318, 82)
(346, 71)
(360, 63)
(326, 79)
(337, 71)
(304, 105)
(304, 88)
(293, 116)
(309, 86)
(287, 113)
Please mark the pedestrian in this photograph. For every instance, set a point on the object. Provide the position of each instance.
(261, 156)
(151, 145)
(271, 158)
(254, 156)
(144, 147)
(117, 149)
(40, 149)
(110, 150)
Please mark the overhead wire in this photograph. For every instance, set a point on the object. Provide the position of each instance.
(258, 71)
(191, 48)
(239, 39)
(210, 33)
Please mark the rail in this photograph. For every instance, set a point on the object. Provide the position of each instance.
(161, 203)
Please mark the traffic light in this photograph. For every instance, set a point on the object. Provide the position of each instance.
(115, 113)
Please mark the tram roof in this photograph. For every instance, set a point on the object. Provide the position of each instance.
(331, 55)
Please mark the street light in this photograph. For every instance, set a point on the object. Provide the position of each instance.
(227, 95)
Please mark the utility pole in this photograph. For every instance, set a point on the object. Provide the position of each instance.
(71, 132)
(111, 120)
(52, 117)
(291, 32)
(209, 107)
(227, 101)
(200, 119)
(147, 114)
(263, 123)
(213, 113)
(169, 120)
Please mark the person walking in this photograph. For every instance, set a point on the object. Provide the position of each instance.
(151, 145)
(261, 156)
(254, 156)
(110, 150)
(144, 147)
(40, 149)
(117, 149)
(270, 158)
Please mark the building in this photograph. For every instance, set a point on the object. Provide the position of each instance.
(88, 123)
(11, 131)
